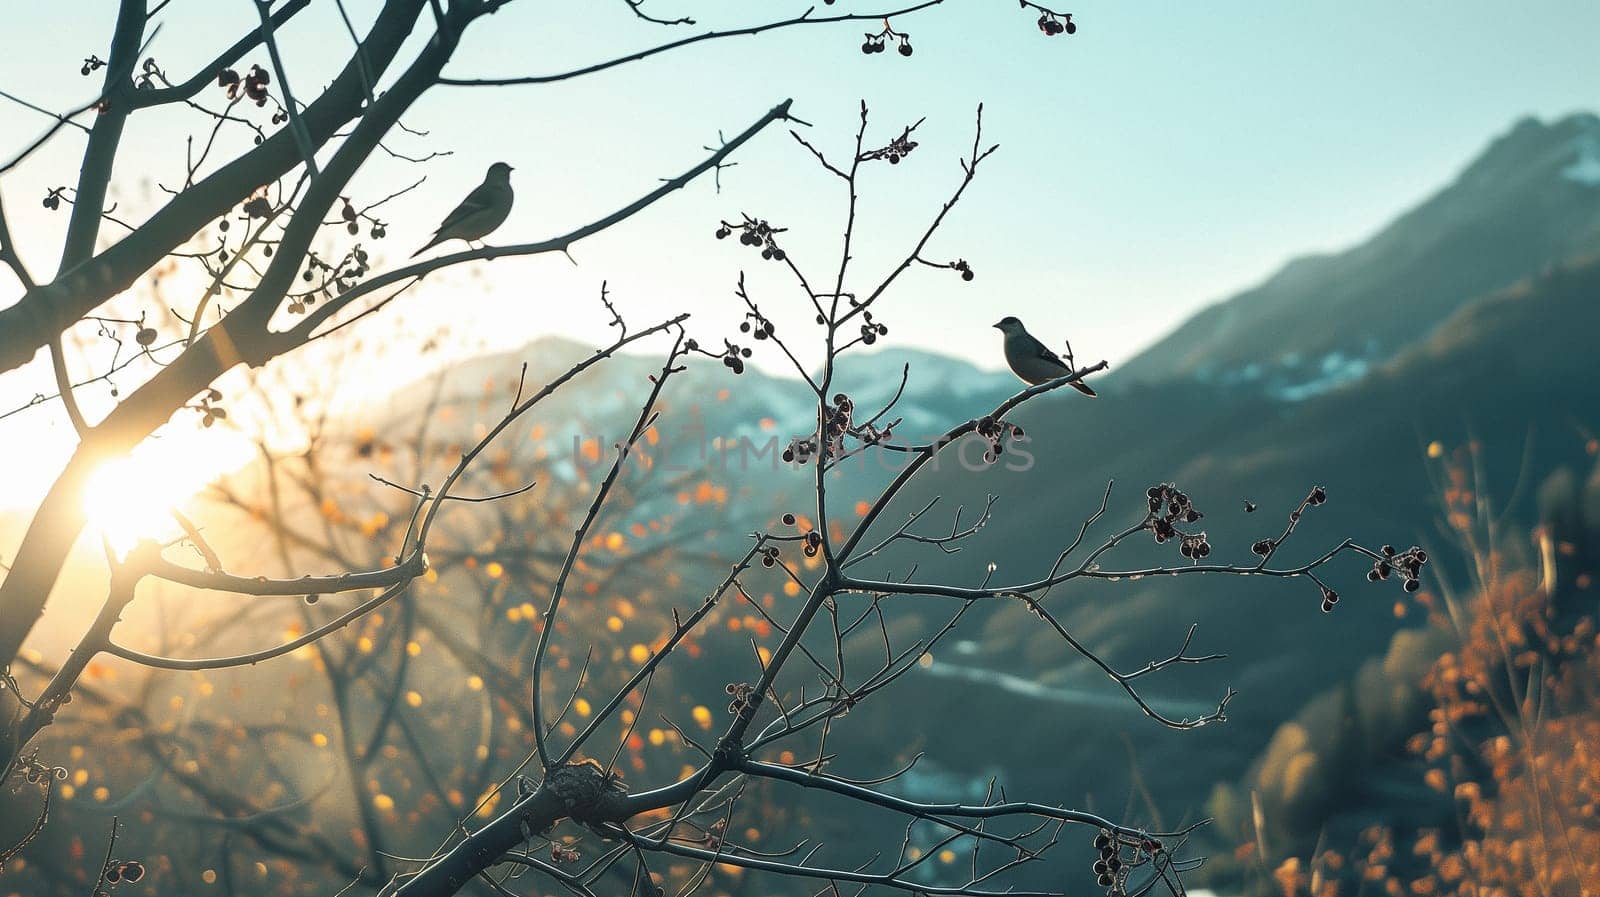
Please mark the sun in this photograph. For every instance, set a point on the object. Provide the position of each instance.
(131, 499)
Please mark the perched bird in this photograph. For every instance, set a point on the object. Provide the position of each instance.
(484, 209)
(1032, 360)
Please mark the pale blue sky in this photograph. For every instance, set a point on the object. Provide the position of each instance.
(1165, 156)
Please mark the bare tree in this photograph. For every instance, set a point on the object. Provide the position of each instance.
(284, 197)
(678, 826)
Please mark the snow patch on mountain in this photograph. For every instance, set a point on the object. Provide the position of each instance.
(1585, 169)
(1337, 369)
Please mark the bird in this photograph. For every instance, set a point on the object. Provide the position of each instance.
(484, 209)
(1031, 360)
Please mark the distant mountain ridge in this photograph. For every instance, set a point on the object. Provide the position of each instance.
(1530, 200)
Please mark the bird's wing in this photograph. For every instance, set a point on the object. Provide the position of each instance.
(1043, 353)
(479, 200)
(1050, 358)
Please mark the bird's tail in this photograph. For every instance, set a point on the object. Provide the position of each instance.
(431, 243)
(1084, 388)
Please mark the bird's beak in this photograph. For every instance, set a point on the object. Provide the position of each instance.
(995, 325)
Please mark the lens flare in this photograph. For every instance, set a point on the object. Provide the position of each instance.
(132, 499)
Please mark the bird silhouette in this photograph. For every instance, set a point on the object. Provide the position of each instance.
(1032, 360)
(484, 209)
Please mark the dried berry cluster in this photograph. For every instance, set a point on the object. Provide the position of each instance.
(336, 278)
(965, 269)
(756, 233)
(348, 213)
(52, 198)
(210, 410)
(733, 356)
(743, 696)
(120, 871)
(1109, 864)
(1111, 868)
(758, 325)
(877, 43)
(813, 544)
(1266, 547)
(1408, 564)
(836, 420)
(37, 772)
(1169, 508)
(1053, 24)
(93, 63)
(871, 330)
(254, 84)
(260, 207)
(996, 431)
(800, 450)
(898, 148)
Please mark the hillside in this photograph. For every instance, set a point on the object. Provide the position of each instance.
(1512, 370)
(1532, 198)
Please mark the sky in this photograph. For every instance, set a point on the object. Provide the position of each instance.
(1164, 157)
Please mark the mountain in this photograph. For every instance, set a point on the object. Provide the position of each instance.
(1531, 199)
(1512, 371)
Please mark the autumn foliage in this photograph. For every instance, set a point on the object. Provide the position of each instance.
(1513, 721)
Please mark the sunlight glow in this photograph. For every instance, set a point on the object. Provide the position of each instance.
(132, 499)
